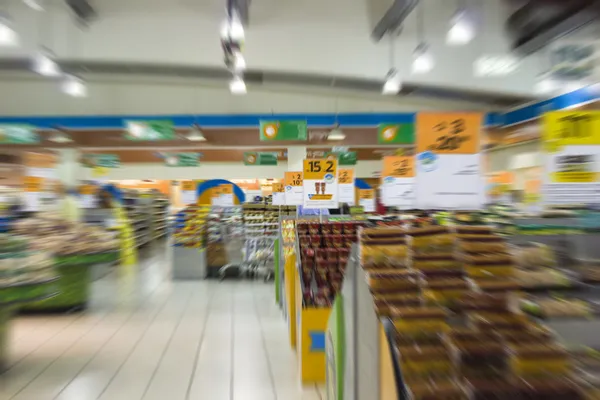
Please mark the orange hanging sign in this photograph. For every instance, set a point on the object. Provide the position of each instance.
(278, 187)
(346, 176)
(294, 179)
(449, 133)
(398, 167)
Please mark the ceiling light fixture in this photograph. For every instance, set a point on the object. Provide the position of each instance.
(74, 86)
(336, 133)
(239, 63)
(195, 134)
(232, 29)
(60, 137)
(546, 86)
(422, 60)
(393, 83)
(8, 36)
(462, 28)
(237, 85)
(34, 4)
(44, 64)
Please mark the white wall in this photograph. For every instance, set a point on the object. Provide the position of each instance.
(118, 95)
(323, 37)
(218, 170)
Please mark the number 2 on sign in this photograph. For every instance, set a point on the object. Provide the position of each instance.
(315, 166)
(451, 140)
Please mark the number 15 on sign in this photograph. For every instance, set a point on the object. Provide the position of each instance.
(320, 183)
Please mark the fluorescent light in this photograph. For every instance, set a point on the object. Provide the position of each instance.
(135, 129)
(237, 85)
(196, 135)
(232, 29)
(336, 134)
(495, 65)
(239, 63)
(462, 29)
(60, 137)
(8, 36)
(422, 60)
(546, 85)
(44, 64)
(392, 84)
(74, 86)
(34, 4)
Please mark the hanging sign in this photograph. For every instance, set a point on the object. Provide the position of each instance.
(182, 159)
(320, 183)
(366, 199)
(150, 130)
(571, 144)
(100, 160)
(18, 134)
(39, 180)
(343, 157)
(87, 196)
(294, 188)
(260, 158)
(278, 194)
(448, 161)
(346, 186)
(188, 192)
(398, 181)
(283, 130)
(396, 134)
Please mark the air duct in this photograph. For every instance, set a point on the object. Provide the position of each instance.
(387, 16)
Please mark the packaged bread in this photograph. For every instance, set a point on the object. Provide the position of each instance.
(481, 244)
(393, 280)
(420, 320)
(473, 230)
(427, 361)
(496, 285)
(384, 253)
(431, 239)
(435, 261)
(543, 278)
(445, 290)
(436, 389)
(540, 359)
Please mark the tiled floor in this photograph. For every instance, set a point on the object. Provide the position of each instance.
(145, 337)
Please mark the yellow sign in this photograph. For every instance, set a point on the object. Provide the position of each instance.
(216, 191)
(188, 186)
(449, 133)
(320, 169)
(398, 167)
(366, 194)
(346, 176)
(87, 189)
(99, 171)
(571, 128)
(293, 179)
(278, 187)
(33, 184)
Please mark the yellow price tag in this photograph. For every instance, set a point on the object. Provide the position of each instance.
(366, 194)
(293, 179)
(188, 186)
(227, 189)
(278, 187)
(320, 169)
(571, 128)
(33, 184)
(346, 176)
(398, 167)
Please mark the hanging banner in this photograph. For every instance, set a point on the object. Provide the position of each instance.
(278, 194)
(150, 130)
(100, 160)
(571, 145)
(283, 130)
(448, 161)
(366, 199)
(344, 157)
(18, 134)
(398, 181)
(182, 159)
(396, 134)
(294, 188)
(226, 195)
(260, 158)
(320, 184)
(188, 192)
(346, 186)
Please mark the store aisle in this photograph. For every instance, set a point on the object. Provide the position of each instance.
(175, 341)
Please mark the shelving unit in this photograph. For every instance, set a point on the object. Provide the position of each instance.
(138, 207)
(160, 215)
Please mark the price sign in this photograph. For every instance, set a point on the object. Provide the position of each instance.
(188, 192)
(294, 188)
(346, 186)
(278, 194)
(320, 183)
(33, 184)
(398, 181)
(320, 169)
(226, 195)
(366, 199)
(366, 193)
(571, 142)
(448, 133)
(226, 189)
(188, 186)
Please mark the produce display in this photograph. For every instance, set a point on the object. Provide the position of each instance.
(324, 253)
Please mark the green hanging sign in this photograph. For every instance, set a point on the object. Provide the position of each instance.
(101, 160)
(345, 158)
(283, 130)
(18, 134)
(396, 134)
(182, 159)
(150, 130)
(260, 158)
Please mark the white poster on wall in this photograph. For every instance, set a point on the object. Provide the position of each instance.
(346, 190)
(320, 184)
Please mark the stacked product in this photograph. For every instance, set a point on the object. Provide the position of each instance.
(190, 227)
(537, 269)
(138, 207)
(324, 252)
(160, 210)
(261, 220)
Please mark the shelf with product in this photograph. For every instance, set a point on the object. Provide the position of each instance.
(189, 243)
(225, 240)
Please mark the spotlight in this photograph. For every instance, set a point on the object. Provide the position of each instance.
(393, 83)
(237, 85)
(422, 60)
(74, 86)
(462, 29)
(44, 64)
